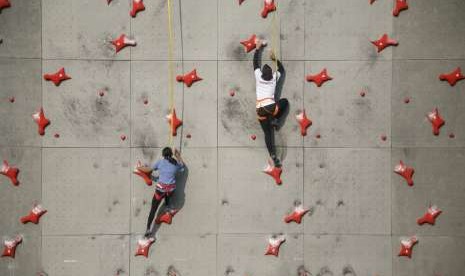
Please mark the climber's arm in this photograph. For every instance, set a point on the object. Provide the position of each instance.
(145, 169)
(256, 59)
(280, 67)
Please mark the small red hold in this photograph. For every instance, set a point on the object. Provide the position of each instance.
(436, 121)
(56, 135)
(406, 100)
(362, 94)
(451, 135)
(122, 42)
(146, 176)
(232, 93)
(9, 249)
(253, 137)
(268, 7)
(41, 121)
(274, 243)
(453, 77)
(174, 122)
(405, 171)
(384, 42)
(189, 78)
(400, 6)
(430, 216)
(166, 217)
(304, 122)
(146, 102)
(407, 246)
(319, 78)
(318, 136)
(34, 215)
(12, 99)
(10, 172)
(137, 6)
(101, 93)
(58, 77)
(4, 4)
(143, 246)
(383, 137)
(274, 172)
(122, 137)
(188, 136)
(297, 214)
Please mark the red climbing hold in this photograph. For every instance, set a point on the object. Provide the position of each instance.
(318, 136)
(319, 78)
(453, 77)
(4, 4)
(189, 78)
(273, 245)
(12, 99)
(436, 121)
(383, 137)
(143, 246)
(41, 121)
(405, 171)
(430, 216)
(451, 135)
(58, 77)
(384, 42)
(123, 41)
(146, 102)
(268, 7)
(297, 214)
(146, 176)
(34, 215)
(362, 94)
(407, 246)
(232, 93)
(406, 100)
(174, 122)
(166, 217)
(122, 137)
(137, 6)
(188, 136)
(274, 172)
(250, 43)
(400, 6)
(56, 135)
(304, 122)
(253, 137)
(10, 245)
(10, 172)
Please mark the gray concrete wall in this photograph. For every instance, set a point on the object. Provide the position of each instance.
(97, 208)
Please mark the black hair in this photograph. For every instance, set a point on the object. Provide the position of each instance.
(167, 153)
(267, 73)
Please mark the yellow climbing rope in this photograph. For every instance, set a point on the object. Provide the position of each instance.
(170, 72)
(275, 36)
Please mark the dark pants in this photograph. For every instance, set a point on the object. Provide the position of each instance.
(266, 116)
(157, 198)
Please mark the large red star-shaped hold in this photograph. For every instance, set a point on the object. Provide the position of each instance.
(436, 121)
(453, 77)
(10, 172)
(274, 172)
(137, 6)
(58, 77)
(4, 4)
(34, 215)
(10, 245)
(273, 245)
(143, 246)
(384, 42)
(319, 78)
(250, 43)
(123, 41)
(174, 122)
(406, 246)
(304, 122)
(166, 217)
(189, 78)
(401, 5)
(297, 214)
(405, 171)
(430, 216)
(146, 176)
(268, 7)
(41, 121)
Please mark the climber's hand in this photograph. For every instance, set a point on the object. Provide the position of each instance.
(258, 45)
(177, 154)
(272, 56)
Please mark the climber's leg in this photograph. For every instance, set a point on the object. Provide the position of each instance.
(283, 105)
(269, 140)
(168, 200)
(155, 203)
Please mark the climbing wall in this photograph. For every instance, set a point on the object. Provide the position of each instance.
(380, 164)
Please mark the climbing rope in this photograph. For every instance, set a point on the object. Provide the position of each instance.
(275, 32)
(170, 72)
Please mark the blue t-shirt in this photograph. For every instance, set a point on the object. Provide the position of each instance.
(167, 171)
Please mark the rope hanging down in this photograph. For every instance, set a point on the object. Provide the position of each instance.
(275, 36)
(170, 71)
